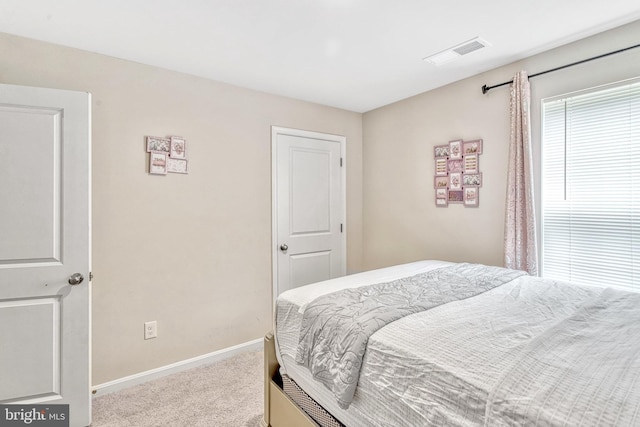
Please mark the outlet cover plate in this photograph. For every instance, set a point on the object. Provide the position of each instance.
(150, 329)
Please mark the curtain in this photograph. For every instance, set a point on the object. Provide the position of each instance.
(520, 245)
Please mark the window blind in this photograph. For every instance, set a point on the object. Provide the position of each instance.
(591, 187)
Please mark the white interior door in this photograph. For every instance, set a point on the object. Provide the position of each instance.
(45, 249)
(309, 229)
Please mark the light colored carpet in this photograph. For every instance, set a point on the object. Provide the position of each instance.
(226, 393)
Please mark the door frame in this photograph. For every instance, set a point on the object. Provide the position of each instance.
(342, 140)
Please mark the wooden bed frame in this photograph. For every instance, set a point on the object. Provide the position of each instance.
(279, 409)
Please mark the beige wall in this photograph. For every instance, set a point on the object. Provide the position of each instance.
(193, 251)
(401, 222)
(190, 251)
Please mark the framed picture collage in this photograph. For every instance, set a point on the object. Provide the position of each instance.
(457, 173)
(167, 155)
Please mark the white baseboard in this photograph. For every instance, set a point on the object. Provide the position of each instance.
(205, 359)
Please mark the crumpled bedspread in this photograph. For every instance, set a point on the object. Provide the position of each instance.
(336, 327)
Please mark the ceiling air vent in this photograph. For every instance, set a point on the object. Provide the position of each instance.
(457, 51)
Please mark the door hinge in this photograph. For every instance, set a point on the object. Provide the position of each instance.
(340, 161)
(90, 276)
(341, 228)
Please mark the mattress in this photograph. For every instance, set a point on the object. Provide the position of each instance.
(442, 366)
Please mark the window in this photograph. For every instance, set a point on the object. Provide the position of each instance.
(591, 187)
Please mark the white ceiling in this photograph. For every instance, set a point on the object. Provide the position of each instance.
(352, 54)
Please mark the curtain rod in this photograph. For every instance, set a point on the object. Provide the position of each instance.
(486, 88)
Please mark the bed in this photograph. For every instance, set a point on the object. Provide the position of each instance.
(486, 346)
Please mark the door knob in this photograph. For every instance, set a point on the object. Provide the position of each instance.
(76, 279)
(284, 247)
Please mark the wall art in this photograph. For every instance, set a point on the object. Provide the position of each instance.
(471, 196)
(457, 177)
(178, 148)
(155, 143)
(167, 155)
(177, 165)
(158, 163)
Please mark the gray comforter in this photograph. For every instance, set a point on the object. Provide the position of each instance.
(336, 327)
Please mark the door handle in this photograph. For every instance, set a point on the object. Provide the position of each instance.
(76, 279)
(284, 247)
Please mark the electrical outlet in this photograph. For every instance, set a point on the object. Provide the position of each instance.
(150, 330)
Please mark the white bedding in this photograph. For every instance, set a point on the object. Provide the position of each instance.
(436, 367)
(290, 306)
